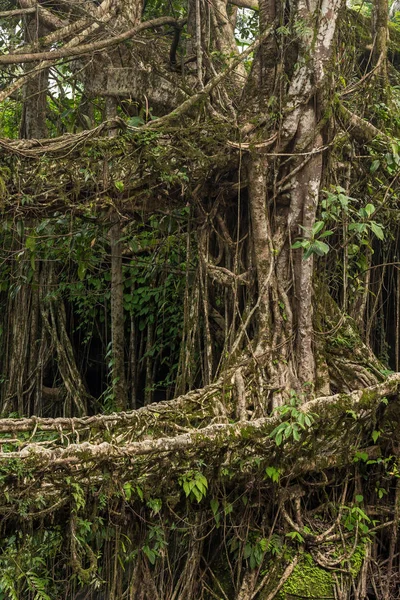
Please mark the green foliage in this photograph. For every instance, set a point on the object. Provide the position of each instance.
(363, 7)
(155, 543)
(132, 488)
(313, 243)
(295, 536)
(255, 548)
(273, 473)
(77, 494)
(194, 485)
(355, 517)
(153, 275)
(24, 560)
(375, 435)
(10, 117)
(360, 456)
(295, 421)
(338, 207)
(247, 24)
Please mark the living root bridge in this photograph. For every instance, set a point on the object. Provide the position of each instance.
(337, 422)
(136, 472)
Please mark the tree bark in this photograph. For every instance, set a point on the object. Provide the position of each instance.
(34, 108)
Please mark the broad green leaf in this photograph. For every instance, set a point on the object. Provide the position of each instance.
(214, 506)
(369, 209)
(320, 248)
(374, 166)
(375, 435)
(377, 230)
(326, 234)
(316, 228)
(300, 244)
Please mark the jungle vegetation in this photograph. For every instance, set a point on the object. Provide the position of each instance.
(200, 300)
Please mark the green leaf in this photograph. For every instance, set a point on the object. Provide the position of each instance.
(375, 435)
(155, 504)
(263, 544)
(377, 230)
(279, 428)
(308, 253)
(288, 431)
(375, 166)
(273, 473)
(81, 271)
(228, 508)
(301, 419)
(359, 498)
(316, 228)
(363, 456)
(202, 489)
(296, 435)
(150, 554)
(358, 227)
(308, 420)
(369, 209)
(326, 234)
(20, 228)
(197, 494)
(203, 480)
(214, 506)
(135, 121)
(300, 244)
(320, 248)
(127, 490)
(247, 551)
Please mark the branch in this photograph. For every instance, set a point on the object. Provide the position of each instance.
(145, 416)
(46, 15)
(18, 11)
(103, 13)
(12, 59)
(251, 4)
(285, 576)
(362, 130)
(226, 277)
(190, 102)
(217, 435)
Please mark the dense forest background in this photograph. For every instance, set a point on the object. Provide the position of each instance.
(200, 299)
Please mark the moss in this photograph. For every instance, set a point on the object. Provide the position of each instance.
(368, 398)
(357, 560)
(308, 580)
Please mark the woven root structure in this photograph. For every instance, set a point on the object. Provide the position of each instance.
(182, 500)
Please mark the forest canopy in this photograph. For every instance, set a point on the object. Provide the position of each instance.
(200, 299)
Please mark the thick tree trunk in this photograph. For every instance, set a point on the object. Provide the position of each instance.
(381, 38)
(34, 108)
